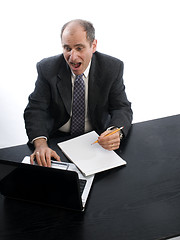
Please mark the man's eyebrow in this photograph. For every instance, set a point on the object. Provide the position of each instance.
(79, 45)
(65, 45)
(76, 45)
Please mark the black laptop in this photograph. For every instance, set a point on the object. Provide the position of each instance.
(60, 185)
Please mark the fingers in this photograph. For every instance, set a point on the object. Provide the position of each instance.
(110, 145)
(111, 142)
(104, 133)
(43, 156)
(55, 155)
(40, 158)
(32, 156)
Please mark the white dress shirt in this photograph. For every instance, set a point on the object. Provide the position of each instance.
(66, 127)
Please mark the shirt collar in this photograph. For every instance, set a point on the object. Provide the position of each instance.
(86, 72)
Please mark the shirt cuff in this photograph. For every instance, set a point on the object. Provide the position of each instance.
(111, 128)
(38, 138)
(121, 134)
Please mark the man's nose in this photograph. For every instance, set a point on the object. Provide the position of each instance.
(73, 55)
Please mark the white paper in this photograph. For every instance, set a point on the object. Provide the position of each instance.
(90, 158)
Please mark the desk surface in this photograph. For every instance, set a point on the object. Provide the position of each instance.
(140, 201)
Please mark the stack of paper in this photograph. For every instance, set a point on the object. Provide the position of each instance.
(90, 158)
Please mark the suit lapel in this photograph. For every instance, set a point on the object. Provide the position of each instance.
(94, 86)
(64, 86)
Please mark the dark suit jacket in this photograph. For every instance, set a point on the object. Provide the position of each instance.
(49, 105)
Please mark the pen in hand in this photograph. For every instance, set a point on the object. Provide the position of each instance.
(116, 130)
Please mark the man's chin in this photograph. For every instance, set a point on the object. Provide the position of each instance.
(77, 71)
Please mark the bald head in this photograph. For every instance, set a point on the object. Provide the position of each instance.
(87, 27)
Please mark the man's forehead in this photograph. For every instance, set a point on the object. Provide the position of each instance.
(73, 28)
(75, 40)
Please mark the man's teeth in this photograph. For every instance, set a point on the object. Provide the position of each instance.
(76, 64)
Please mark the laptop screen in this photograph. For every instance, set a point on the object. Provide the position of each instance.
(43, 185)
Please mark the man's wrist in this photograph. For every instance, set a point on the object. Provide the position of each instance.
(121, 134)
(43, 137)
(39, 142)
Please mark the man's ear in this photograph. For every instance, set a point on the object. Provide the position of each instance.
(94, 45)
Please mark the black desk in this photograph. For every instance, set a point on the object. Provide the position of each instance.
(140, 201)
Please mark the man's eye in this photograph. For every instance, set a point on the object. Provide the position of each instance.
(68, 49)
(79, 49)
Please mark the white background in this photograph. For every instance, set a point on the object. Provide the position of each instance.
(145, 34)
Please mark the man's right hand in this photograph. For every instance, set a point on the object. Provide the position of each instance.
(43, 153)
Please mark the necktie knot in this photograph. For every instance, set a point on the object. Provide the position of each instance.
(79, 78)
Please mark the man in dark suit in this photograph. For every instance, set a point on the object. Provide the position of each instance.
(50, 105)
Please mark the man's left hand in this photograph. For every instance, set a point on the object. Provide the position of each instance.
(111, 142)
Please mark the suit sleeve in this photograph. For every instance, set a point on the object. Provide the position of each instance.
(119, 106)
(38, 121)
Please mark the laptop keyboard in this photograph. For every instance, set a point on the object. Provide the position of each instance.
(82, 184)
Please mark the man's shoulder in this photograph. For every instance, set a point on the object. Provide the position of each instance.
(52, 60)
(105, 57)
(105, 63)
(52, 64)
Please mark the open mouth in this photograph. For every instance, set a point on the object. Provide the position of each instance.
(75, 65)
